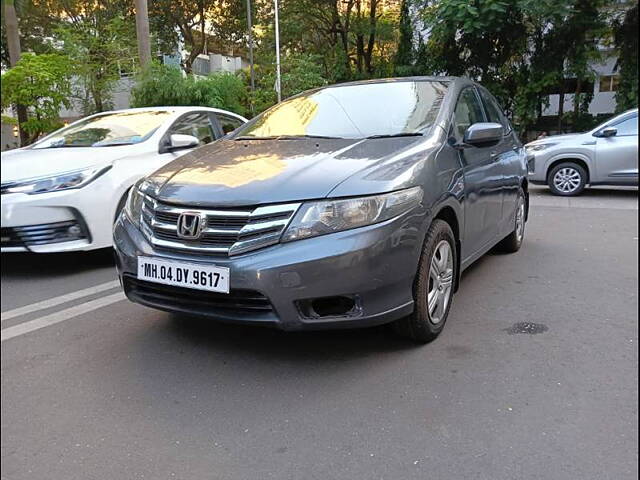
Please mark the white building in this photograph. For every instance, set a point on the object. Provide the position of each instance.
(604, 91)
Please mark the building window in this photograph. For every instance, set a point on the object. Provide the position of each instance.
(609, 83)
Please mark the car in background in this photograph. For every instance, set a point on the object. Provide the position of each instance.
(606, 155)
(64, 192)
(350, 205)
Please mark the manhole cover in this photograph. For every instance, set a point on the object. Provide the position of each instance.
(527, 327)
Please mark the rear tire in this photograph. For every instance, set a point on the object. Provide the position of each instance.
(512, 242)
(433, 286)
(567, 179)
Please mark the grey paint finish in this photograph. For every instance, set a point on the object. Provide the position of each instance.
(479, 183)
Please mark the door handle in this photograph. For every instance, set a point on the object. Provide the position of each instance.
(493, 155)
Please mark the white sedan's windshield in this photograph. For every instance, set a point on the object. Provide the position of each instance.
(121, 128)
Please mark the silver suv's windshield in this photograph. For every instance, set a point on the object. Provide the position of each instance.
(110, 129)
(382, 109)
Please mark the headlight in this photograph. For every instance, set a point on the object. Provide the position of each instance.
(536, 147)
(63, 181)
(329, 216)
(133, 207)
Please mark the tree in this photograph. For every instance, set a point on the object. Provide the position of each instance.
(300, 72)
(160, 85)
(13, 47)
(626, 41)
(188, 17)
(42, 84)
(102, 46)
(405, 54)
(142, 32)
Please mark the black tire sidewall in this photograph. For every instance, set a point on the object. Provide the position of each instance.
(578, 168)
(421, 320)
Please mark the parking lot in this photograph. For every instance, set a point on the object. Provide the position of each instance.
(534, 376)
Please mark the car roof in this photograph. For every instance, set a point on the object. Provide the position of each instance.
(173, 109)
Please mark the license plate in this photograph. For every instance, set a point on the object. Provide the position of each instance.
(183, 274)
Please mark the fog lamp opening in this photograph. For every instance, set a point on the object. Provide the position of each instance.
(336, 306)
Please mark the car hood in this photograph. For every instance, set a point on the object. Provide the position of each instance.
(23, 164)
(255, 172)
(557, 138)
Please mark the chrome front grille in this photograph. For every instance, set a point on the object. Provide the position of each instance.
(227, 231)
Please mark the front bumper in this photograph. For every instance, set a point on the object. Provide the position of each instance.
(35, 222)
(375, 265)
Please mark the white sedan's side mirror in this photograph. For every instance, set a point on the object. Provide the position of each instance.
(178, 141)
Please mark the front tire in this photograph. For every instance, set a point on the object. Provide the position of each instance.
(433, 286)
(567, 179)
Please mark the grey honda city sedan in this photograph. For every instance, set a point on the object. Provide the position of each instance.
(352, 205)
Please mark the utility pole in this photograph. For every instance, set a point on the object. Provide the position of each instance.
(13, 45)
(142, 32)
(251, 72)
(278, 84)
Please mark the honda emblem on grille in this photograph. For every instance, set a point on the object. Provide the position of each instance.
(190, 225)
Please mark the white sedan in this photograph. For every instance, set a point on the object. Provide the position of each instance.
(64, 192)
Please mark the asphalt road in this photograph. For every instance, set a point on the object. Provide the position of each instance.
(112, 390)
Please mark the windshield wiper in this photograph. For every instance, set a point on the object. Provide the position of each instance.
(294, 137)
(249, 137)
(285, 137)
(65, 146)
(395, 135)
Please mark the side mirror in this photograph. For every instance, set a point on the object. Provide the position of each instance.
(178, 141)
(608, 132)
(482, 133)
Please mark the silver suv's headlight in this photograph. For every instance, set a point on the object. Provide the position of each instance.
(133, 207)
(538, 147)
(329, 216)
(56, 183)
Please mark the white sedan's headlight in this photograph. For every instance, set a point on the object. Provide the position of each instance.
(537, 147)
(56, 183)
(329, 216)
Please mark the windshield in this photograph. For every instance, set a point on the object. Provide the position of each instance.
(111, 129)
(353, 111)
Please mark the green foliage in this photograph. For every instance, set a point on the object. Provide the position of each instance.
(626, 40)
(100, 51)
(404, 59)
(42, 84)
(161, 85)
(299, 72)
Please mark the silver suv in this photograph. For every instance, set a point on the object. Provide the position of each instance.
(606, 155)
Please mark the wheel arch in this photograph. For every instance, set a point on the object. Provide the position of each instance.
(570, 159)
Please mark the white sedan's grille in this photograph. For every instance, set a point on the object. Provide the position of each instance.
(225, 231)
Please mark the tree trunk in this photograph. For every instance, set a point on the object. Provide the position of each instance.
(373, 20)
(561, 104)
(13, 45)
(142, 32)
(576, 100)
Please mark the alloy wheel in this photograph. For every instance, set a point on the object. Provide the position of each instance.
(520, 215)
(440, 281)
(567, 180)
